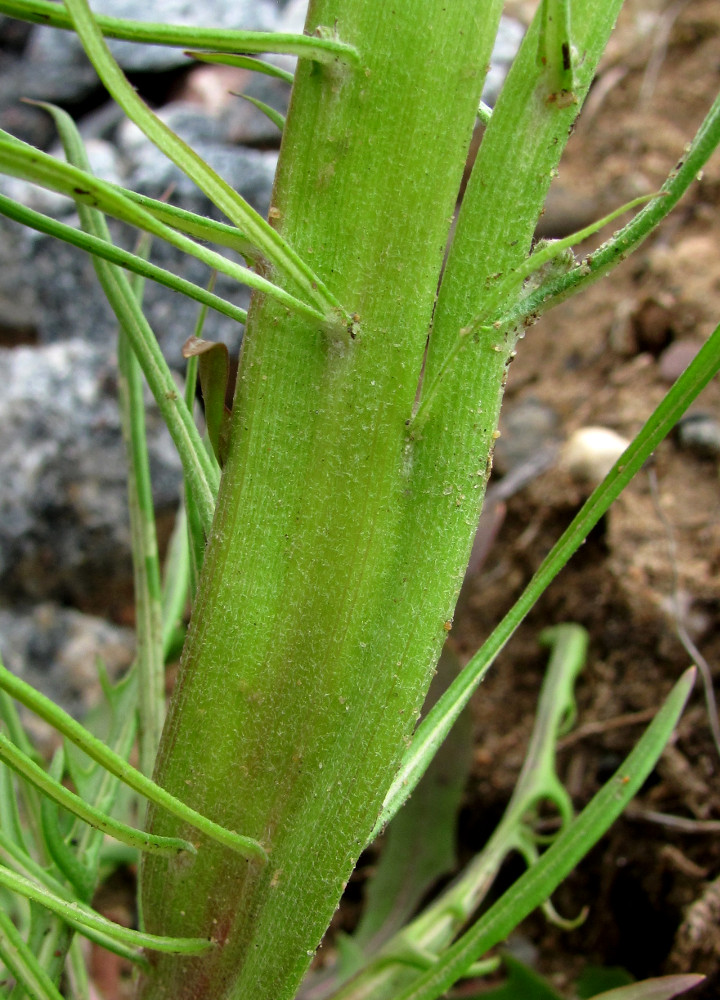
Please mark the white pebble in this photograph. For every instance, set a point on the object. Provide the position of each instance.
(590, 452)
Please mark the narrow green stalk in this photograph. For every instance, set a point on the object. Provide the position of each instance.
(19, 796)
(84, 919)
(18, 958)
(99, 752)
(176, 580)
(437, 723)
(536, 885)
(270, 113)
(78, 972)
(146, 563)
(243, 62)
(269, 242)
(322, 50)
(15, 759)
(115, 255)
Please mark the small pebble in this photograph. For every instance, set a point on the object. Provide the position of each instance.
(674, 360)
(699, 433)
(590, 453)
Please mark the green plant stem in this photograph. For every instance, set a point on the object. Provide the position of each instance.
(323, 50)
(146, 565)
(277, 251)
(310, 623)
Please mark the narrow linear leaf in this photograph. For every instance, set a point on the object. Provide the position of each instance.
(538, 883)
(433, 729)
(17, 760)
(214, 369)
(260, 232)
(270, 113)
(115, 255)
(242, 62)
(116, 765)
(21, 160)
(661, 988)
(322, 50)
(83, 918)
(19, 959)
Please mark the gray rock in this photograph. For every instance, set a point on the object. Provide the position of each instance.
(510, 35)
(248, 171)
(55, 50)
(699, 433)
(56, 650)
(19, 311)
(63, 516)
(527, 428)
(68, 301)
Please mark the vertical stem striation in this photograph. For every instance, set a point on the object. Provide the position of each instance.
(313, 638)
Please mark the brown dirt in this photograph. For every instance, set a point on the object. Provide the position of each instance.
(600, 359)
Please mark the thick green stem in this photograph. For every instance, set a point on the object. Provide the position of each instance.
(313, 640)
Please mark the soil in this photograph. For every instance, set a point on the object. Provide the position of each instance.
(649, 572)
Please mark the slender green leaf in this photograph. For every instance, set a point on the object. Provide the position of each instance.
(176, 581)
(322, 50)
(433, 729)
(116, 765)
(23, 964)
(260, 232)
(537, 884)
(21, 160)
(270, 113)
(146, 563)
(242, 62)
(83, 919)
(49, 786)
(115, 255)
